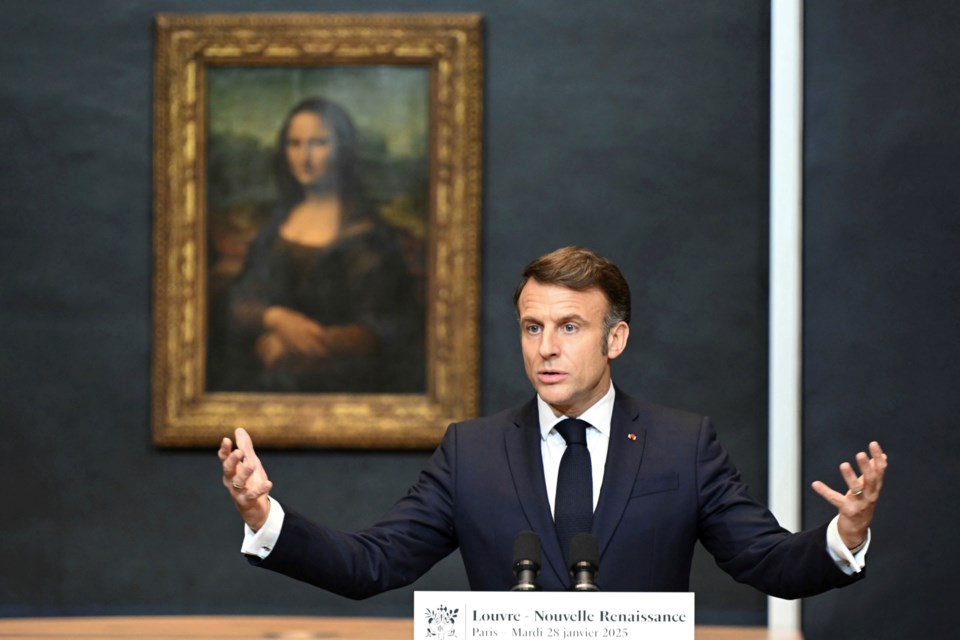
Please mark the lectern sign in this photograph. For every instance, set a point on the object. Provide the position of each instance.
(462, 615)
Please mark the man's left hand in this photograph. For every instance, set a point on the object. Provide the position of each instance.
(856, 506)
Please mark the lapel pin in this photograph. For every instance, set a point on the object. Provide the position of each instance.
(631, 436)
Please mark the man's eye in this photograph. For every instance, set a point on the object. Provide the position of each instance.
(533, 329)
(569, 328)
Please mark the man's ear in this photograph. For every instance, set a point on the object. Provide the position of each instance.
(617, 339)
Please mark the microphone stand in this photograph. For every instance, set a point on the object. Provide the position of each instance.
(526, 561)
(584, 562)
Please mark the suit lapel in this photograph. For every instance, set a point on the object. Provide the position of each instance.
(526, 467)
(624, 454)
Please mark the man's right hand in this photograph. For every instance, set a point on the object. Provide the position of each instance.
(245, 479)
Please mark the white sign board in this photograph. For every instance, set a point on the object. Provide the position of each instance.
(464, 615)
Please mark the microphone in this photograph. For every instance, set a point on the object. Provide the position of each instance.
(526, 561)
(584, 562)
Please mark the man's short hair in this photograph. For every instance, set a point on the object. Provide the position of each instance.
(580, 269)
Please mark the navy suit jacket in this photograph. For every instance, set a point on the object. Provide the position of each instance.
(667, 484)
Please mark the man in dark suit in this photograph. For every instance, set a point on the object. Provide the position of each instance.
(655, 480)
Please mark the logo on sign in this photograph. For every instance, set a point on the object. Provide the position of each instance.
(440, 622)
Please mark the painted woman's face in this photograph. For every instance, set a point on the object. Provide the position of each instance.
(309, 148)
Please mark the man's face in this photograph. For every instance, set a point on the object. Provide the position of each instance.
(561, 336)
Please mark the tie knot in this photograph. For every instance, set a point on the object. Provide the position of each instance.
(573, 431)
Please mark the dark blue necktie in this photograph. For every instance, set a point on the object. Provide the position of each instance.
(573, 507)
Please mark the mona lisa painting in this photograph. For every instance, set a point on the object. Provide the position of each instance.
(316, 223)
(327, 294)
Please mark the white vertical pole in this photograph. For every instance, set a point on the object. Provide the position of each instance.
(786, 277)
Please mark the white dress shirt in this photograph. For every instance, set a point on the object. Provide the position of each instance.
(552, 444)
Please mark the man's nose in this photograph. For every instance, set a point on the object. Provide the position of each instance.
(549, 345)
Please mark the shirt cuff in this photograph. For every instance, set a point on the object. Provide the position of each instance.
(260, 543)
(848, 561)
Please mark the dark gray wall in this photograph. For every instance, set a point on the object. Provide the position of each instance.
(636, 128)
(883, 298)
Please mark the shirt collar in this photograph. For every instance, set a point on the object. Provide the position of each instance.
(599, 415)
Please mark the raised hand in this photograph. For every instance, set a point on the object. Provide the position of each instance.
(856, 505)
(245, 479)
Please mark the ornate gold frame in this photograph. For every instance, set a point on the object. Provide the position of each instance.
(184, 413)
